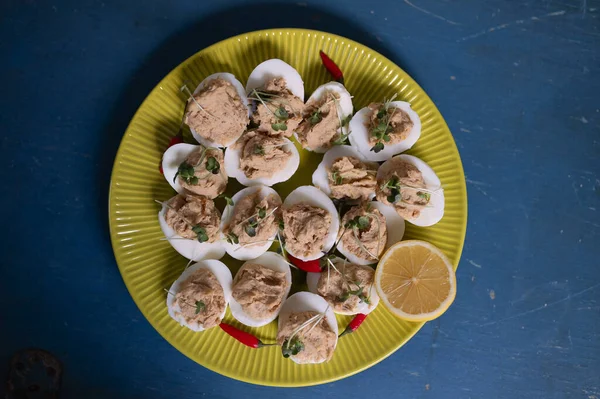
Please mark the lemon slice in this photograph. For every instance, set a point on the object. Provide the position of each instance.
(415, 281)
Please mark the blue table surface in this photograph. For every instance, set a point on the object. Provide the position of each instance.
(518, 83)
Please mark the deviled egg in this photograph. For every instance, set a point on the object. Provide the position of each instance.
(325, 118)
(217, 112)
(368, 230)
(249, 226)
(276, 91)
(347, 287)
(307, 329)
(198, 298)
(383, 130)
(344, 175)
(195, 169)
(412, 188)
(259, 289)
(191, 225)
(258, 158)
(310, 223)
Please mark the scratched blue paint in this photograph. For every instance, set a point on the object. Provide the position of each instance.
(518, 84)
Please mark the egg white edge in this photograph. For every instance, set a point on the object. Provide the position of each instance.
(359, 138)
(241, 92)
(273, 261)
(307, 301)
(434, 212)
(315, 197)
(312, 281)
(172, 158)
(236, 250)
(232, 167)
(395, 227)
(319, 176)
(345, 105)
(191, 249)
(275, 68)
(222, 274)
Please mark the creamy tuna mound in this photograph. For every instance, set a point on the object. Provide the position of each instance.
(254, 220)
(278, 111)
(348, 286)
(394, 122)
(193, 217)
(314, 343)
(365, 232)
(259, 290)
(262, 155)
(400, 185)
(201, 299)
(203, 172)
(321, 123)
(352, 179)
(217, 112)
(305, 229)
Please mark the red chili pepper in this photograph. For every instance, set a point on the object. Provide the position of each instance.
(242, 336)
(332, 68)
(311, 266)
(354, 324)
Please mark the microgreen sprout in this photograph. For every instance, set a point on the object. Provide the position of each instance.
(258, 150)
(200, 231)
(292, 346)
(383, 129)
(232, 238)
(199, 305)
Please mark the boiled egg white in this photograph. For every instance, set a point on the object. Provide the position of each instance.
(434, 210)
(276, 68)
(307, 302)
(248, 252)
(272, 261)
(312, 281)
(172, 158)
(395, 231)
(344, 106)
(359, 136)
(320, 176)
(232, 166)
(240, 90)
(313, 196)
(221, 273)
(191, 249)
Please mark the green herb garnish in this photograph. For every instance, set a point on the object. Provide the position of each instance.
(346, 120)
(278, 126)
(200, 306)
(228, 200)
(383, 129)
(262, 213)
(186, 172)
(315, 117)
(212, 165)
(258, 150)
(377, 147)
(359, 222)
(337, 179)
(425, 196)
(200, 233)
(292, 348)
(232, 238)
(342, 139)
(281, 114)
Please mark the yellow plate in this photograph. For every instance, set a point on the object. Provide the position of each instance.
(148, 264)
